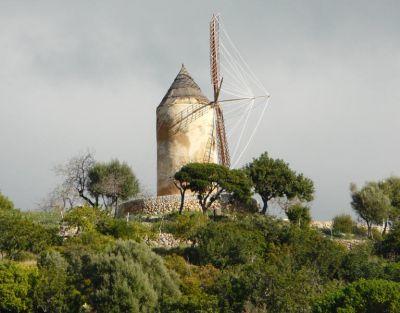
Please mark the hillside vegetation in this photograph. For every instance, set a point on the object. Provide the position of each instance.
(83, 259)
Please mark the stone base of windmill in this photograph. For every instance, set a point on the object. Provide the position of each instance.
(162, 205)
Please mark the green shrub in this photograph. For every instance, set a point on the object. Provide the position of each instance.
(228, 243)
(182, 225)
(361, 263)
(18, 234)
(389, 247)
(127, 277)
(367, 296)
(196, 284)
(392, 271)
(360, 231)
(90, 240)
(342, 224)
(308, 247)
(5, 203)
(376, 234)
(23, 256)
(52, 290)
(299, 215)
(122, 229)
(265, 287)
(14, 287)
(84, 218)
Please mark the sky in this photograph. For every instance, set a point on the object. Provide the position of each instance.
(78, 75)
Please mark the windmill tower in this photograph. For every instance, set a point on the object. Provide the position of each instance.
(185, 127)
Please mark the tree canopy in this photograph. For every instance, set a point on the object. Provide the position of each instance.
(273, 178)
(98, 184)
(208, 181)
(112, 181)
(371, 204)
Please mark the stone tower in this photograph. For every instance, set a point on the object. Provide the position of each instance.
(185, 131)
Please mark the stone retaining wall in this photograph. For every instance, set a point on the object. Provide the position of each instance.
(161, 205)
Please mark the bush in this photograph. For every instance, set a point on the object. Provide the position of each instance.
(122, 229)
(342, 224)
(182, 225)
(127, 277)
(299, 215)
(18, 234)
(228, 243)
(264, 287)
(52, 290)
(389, 247)
(367, 296)
(308, 247)
(5, 203)
(196, 284)
(14, 287)
(360, 231)
(84, 218)
(361, 263)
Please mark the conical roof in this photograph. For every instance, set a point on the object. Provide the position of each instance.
(183, 87)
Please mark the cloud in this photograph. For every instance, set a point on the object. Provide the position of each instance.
(90, 74)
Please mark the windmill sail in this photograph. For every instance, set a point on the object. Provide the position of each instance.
(216, 81)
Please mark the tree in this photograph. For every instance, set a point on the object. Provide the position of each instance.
(299, 215)
(272, 178)
(181, 181)
(391, 187)
(94, 182)
(76, 175)
(371, 204)
(209, 181)
(343, 224)
(367, 296)
(60, 200)
(112, 181)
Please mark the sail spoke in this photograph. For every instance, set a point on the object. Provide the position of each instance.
(245, 107)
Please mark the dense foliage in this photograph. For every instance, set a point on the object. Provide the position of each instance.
(208, 181)
(273, 178)
(85, 260)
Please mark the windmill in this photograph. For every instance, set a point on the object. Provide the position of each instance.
(190, 127)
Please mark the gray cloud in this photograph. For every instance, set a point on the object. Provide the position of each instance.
(77, 75)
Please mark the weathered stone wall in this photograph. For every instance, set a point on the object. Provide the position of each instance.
(161, 205)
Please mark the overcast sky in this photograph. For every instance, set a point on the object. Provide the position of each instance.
(89, 74)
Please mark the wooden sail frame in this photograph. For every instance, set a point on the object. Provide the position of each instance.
(216, 81)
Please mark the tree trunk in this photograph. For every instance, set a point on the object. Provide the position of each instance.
(203, 207)
(116, 207)
(88, 200)
(265, 206)
(385, 227)
(369, 227)
(182, 202)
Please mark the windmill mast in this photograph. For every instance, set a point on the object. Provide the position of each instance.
(216, 81)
